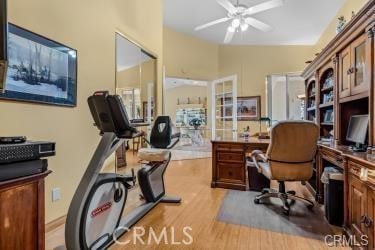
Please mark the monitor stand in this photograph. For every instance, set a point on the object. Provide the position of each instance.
(358, 147)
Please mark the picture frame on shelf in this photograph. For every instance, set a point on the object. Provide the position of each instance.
(40, 70)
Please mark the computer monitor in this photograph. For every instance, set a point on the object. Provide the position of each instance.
(357, 131)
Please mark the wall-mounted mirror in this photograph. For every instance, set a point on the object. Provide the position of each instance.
(136, 79)
(136, 84)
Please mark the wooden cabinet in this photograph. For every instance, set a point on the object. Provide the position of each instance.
(371, 216)
(22, 213)
(352, 69)
(361, 204)
(357, 205)
(229, 162)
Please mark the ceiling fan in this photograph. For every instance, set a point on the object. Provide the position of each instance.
(240, 15)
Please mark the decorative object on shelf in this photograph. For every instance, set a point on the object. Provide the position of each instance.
(353, 14)
(264, 135)
(341, 24)
(248, 108)
(246, 133)
(40, 70)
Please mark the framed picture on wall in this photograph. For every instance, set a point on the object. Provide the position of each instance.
(40, 70)
(248, 108)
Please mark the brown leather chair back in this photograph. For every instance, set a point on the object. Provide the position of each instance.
(292, 150)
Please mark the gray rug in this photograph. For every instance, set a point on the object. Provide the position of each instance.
(238, 208)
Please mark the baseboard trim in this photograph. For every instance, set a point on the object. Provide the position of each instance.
(55, 224)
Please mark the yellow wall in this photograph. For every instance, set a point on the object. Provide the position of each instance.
(88, 26)
(188, 57)
(346, 11)
(253, 63)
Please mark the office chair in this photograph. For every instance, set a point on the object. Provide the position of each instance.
(289, 157)
(162, 135)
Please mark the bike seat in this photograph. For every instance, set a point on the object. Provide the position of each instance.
(153, 154)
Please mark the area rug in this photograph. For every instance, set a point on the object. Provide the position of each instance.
(179, 155)
(238, 208)
(190, 151)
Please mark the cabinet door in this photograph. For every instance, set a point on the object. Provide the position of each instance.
(357, 205)
(344, 73)
(359, 82)
(371, 216)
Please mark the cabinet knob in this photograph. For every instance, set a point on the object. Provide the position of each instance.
(363, 219)
(368, 222)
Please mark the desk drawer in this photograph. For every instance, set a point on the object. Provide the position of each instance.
(230, 147)
(354, 168)
(332, 157)
(230, 157)
(231, 172)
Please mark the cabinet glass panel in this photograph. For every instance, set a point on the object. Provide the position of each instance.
(360, 64)
(345, 74)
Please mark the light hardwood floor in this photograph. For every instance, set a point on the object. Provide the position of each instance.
(190, 179)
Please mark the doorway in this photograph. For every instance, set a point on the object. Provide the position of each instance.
(285, 97)
(186, 102)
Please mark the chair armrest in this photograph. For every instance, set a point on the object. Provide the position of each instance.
(257, 155)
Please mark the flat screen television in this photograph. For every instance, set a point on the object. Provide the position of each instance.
(3, 43)
(357, 131)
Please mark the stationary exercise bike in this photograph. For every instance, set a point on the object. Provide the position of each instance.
(94, 218)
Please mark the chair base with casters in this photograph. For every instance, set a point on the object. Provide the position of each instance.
(288, 198)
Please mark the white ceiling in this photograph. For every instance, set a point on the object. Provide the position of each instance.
(297, 22)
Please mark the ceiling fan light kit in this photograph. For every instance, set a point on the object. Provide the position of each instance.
(240, 17)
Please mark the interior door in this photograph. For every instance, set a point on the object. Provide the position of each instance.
(224, 108)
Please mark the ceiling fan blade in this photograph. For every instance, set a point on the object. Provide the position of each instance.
(227, 5)
(258, 24)
(228, 36)
(263, 6)
(221, 20)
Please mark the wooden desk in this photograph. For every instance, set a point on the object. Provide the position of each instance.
(229, 161)
(359, 193)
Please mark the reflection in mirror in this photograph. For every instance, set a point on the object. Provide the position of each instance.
(136, 85)
(135, 79)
